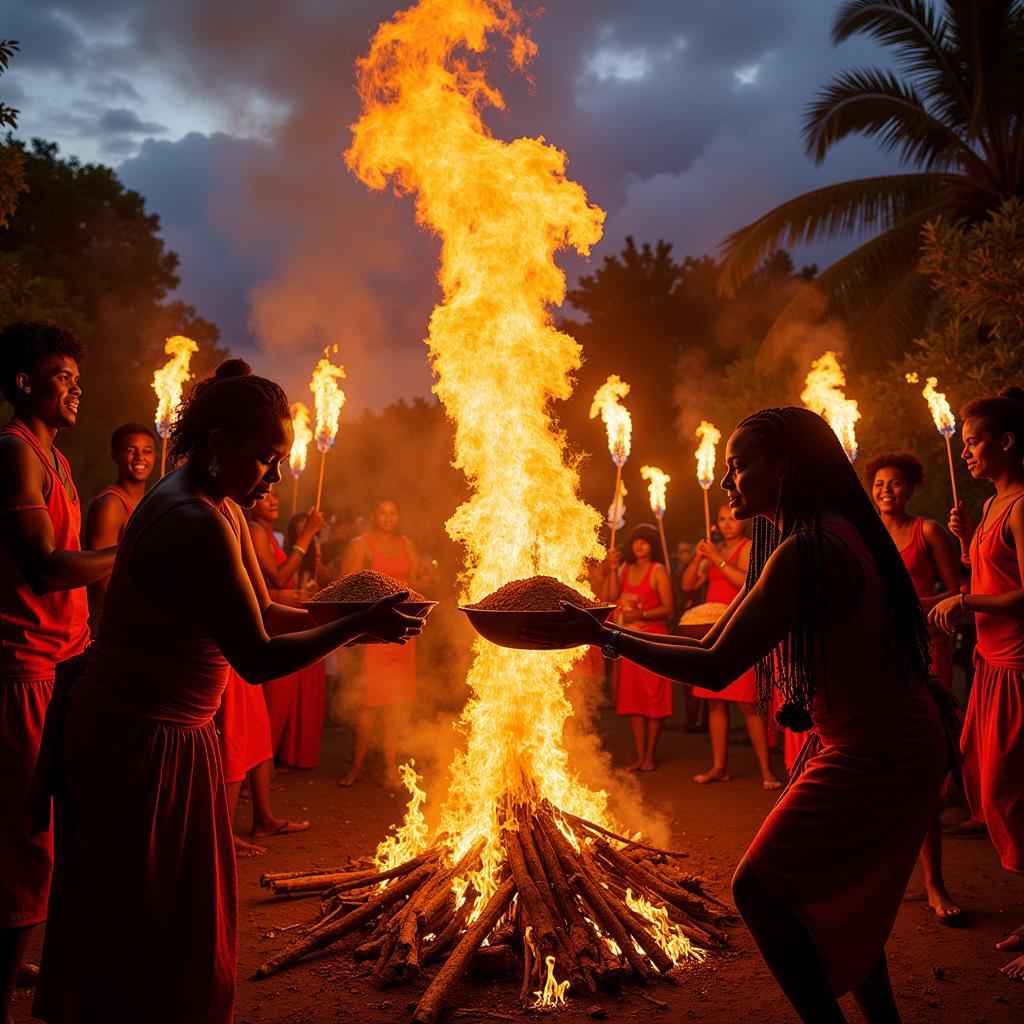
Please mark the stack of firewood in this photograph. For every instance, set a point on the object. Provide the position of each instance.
(560, 908)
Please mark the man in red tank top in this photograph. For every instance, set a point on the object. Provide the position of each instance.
(43, 612)
(133, 451)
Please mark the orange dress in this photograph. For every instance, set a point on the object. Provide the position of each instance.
(993, 736)
(642, 692)
(721, 591)
(389, 670)
(143, 909)
(839, 846)
(36, 632)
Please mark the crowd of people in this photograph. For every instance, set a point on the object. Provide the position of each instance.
(160, 660)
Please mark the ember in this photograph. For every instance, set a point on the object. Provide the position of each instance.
(536, 594)
(364, 587)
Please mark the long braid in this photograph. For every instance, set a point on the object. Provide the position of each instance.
(822, 476)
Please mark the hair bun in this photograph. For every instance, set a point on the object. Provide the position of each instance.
(232, 368)
(1014, 393)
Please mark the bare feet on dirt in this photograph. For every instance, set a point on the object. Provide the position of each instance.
(715, 775)
(279, 827)
(244, 849)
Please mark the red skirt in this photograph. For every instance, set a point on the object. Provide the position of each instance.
(143, 910)
(27, 858)
(993, 746)
(389, 674)
(743, 689)
(840, 845)
(295, 705)
(642, 692)
(244, 727)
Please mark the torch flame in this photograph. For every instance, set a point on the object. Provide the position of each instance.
(618, 505)
(169, 380)
(553, 993)
(303, 435)
(709, 435)
(945, 423)
(657, 481)
(823, 394)
(501, 211)
(328, 399)
(616, 417)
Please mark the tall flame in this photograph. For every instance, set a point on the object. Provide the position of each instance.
(328, 400)
(945, 422)
(823, 394)
(302, 436)
(657, 482)
(709, 435)
(501, 210)
(553, 993)
(619, 424)
(169, 380)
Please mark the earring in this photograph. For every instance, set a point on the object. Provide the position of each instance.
(214, 468)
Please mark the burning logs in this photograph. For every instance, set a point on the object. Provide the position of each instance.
(576, 906)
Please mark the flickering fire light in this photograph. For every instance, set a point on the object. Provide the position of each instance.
(328, 400)
(657, 483)
(302, 434)
(709, 435)
(823, 394)
(168, 383)
(619, 424)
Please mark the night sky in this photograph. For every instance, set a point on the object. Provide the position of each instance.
(680, 118)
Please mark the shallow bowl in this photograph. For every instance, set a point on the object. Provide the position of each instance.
(504, 628)
(322, 612)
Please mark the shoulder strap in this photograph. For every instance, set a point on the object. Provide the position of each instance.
(114, 492)
(15, 428)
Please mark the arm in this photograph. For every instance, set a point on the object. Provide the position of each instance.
(418, 577)
(946, 557)
(276, 575)
(695, 575)
(199, 551)
(661, 583)
(28, 532)
(103, 526)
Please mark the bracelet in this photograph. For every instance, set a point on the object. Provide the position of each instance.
(723, 563)
(963, 604)
(298, 547)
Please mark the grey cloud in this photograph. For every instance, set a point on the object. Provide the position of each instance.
(47, 39)
(122, 121)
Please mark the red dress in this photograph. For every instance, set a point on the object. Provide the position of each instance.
(143, 908)
(244, 727)
(389, 670)
(993, 736)
(642, 692)
(295, 703)
(36, 632)
(918, 560)
(839, 847)
(721, 591)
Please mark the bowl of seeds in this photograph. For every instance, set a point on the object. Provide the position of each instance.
(502, 616)
(698, 620)
(358, 591)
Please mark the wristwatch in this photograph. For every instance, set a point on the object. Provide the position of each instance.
(610, 649)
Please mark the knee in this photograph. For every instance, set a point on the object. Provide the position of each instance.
(746, 890)
(749, 710)
(714, 704)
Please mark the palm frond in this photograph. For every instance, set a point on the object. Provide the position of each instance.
(895, 321)
(833, 211)
(875, 103)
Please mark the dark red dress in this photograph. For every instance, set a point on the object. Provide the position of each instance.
(993, 736)
(143, 908)
(918, 560)
(642, 692)
(840, 845)
(36, 633)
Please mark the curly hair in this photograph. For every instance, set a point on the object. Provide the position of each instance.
(909, 465)
(1002, 413)
(234, 400)
(823, 477)
(24, 345)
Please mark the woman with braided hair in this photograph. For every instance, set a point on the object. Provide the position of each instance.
(143, 905)
(828, 615)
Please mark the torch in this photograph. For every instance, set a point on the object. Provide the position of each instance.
(823, 394)
(302, 435)
(328, 400)
(709, 436)
(945, 424)
(619, 425)
(656, 484)
(168, 383)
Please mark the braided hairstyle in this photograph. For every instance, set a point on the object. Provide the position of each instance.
(821, 477)
(234, 400)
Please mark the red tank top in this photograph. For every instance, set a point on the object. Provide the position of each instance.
(38, 631)
(129, 507)
(994, 570)
(720, 590)
(918, 560)
(399, 566)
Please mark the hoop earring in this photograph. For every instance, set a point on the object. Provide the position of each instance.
(214, 467)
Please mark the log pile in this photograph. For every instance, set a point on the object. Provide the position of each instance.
(574, 902)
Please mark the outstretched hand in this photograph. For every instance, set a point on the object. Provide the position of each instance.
(384, 621)
(579, 627)
(946, 614)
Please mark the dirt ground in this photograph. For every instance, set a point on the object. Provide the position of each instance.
(941, 975)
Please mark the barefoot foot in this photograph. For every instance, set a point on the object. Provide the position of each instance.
(715, 775)
(1013, 941)
(279, 827)
(28, 974)
(355, 773)
(947, 910)
(633, 766)
(246, 850)
(1014, 969)
(769, 782)
(648, 766)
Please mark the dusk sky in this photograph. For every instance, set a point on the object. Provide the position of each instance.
(680, 118)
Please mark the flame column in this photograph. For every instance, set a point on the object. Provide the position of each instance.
(709, 436)
(328, 399)
(619, 424)
(168, 383)
(657, 482)
(823, 394)
(302, 434)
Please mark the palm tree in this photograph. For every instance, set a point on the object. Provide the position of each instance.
(954, 116)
